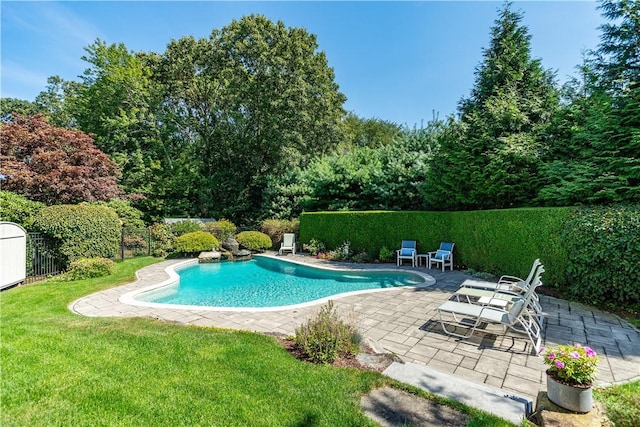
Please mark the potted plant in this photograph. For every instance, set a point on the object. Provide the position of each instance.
(570, 376)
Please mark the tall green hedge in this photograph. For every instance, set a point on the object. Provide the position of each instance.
(17, 208)
(604, 255)
(507, 241)
(371, 230)
(497, 241)
(80, 231)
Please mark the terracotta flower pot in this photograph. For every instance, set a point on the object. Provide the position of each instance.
(576, 399)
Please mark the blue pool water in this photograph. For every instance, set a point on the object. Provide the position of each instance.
(268, 282)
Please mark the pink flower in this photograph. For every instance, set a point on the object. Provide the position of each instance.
(590, 352)
(559, 364)
(574, 355)
(552, 356)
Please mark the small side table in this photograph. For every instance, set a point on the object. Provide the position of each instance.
(424, 258)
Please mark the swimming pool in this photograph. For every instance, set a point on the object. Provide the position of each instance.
(266, 283)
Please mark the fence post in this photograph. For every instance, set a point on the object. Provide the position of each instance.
(122, 244)
(149, 245)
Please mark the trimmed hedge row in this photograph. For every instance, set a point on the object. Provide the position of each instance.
(508, 241)
(372, 230)
(496, 241)
(592, 254)
(604, 255)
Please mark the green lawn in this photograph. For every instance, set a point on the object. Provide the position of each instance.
(59, 368)
(622, 403)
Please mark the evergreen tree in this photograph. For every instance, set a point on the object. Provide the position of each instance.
(490, 158)
(617, 64)
(595, 157)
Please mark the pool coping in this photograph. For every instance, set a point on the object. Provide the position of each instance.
(129, 298)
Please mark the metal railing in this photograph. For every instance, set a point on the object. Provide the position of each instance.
(135, 242)
(42, 260)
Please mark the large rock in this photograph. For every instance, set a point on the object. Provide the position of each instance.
(242, 255)
(231, 245)
(211, 256)
(548, 414)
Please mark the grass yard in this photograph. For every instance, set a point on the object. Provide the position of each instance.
(59, 368)
(622, 403)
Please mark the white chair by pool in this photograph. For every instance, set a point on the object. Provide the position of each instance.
(288, 244)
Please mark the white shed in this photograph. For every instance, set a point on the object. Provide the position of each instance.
(13, 254)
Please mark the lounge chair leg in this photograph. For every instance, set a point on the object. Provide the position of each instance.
(458, 323)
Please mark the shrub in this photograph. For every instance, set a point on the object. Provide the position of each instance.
(17, 208)
(254, 240)
(196, 241)
(314, 247)
(80, 231)
(162, 239)
(602, 245)
(361, 257)
(222, 229)
(183, 227)
(130, 216)
(87, 268)
(276, 228)
(325, 337)
(342, 252)
(136, 241)
(386, 255)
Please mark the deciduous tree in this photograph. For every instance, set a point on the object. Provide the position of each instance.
(54, 165)
(253, 99)
(9, 107)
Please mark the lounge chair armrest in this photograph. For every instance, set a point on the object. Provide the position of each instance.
(509, 279)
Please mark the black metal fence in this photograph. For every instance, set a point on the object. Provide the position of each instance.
(135, 242)
(44, 261)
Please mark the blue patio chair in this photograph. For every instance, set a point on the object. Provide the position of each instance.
(443, 256)
(407, 251)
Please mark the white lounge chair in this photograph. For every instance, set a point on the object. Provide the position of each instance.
(503, 299)
(506, 284)
(408, 251)
(288, 244)
(519, 318)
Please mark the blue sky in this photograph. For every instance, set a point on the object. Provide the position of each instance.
(399, 61)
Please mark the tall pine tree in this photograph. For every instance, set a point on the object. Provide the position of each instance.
(489, 157)
(598, 161)
(617, 64)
